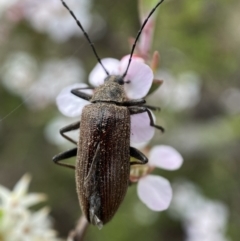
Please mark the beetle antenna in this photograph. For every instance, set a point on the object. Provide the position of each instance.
(138, 35)
(86, 35)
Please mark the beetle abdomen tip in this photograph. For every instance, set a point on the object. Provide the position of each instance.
(94, 219)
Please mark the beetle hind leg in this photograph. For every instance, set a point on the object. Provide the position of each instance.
(64, 155)
(142, 159)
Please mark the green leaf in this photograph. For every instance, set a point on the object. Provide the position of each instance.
(156, 84)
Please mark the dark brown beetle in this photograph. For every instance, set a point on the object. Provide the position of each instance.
(103, 152)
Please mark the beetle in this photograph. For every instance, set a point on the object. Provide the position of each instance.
(103, 150)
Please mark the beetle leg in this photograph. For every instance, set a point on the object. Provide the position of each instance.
(134, 102)
(71, 127)
(141, 109)
(150, 107)
(64, 155)
(81, 94)
(138, 155)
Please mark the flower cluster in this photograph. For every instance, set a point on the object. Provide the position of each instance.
(203, 219)
(49, 16)
(37, 85)
(17, 222)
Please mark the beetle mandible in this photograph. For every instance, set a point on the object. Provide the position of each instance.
(103, 151)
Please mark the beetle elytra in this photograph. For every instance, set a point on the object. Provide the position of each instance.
(103, 150)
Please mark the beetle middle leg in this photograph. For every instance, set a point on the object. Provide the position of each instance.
(65, 155)
(154, 108)
(71, 127)
(141, 109)
(140, 102)
(138, 155)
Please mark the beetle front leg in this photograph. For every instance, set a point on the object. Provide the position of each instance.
(154, 108)
(138, 155)
(134, 102)
(142, 109)
(64, 155)
(140, 102)
(80, 94)
(71, 127)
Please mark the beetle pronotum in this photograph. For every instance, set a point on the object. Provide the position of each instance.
(103, 151)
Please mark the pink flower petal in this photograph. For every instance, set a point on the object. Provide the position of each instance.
(140, 77)
(69, 104)
(141, 131)
(125, 59)
(165, 157)
(155, 192)
(97, 75)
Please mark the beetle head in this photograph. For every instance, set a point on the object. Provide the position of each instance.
(115, 78)
(111, 91)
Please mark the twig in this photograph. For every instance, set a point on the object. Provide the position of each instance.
(78, 233)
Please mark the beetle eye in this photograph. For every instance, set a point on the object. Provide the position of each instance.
(119, 80)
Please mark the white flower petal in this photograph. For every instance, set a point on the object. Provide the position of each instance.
(97, 75)
(69, 104)
(141, 131)
(4, 194)
(32, 199)
(155, 192)
(165, 157)
(41, 215)
(141, 145)
(140, 77)
(21, 186)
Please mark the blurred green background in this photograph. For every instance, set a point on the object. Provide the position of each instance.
(199, 46)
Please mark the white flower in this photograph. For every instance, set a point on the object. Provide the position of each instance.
(50, 16)
(155, 191)
(55, 75)
(39, 87)
(178, 93)
(19, 72)
(17, 222)
(203, 219)
(139, 77)
(137, 84)
(19, 198)
(6, 4)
